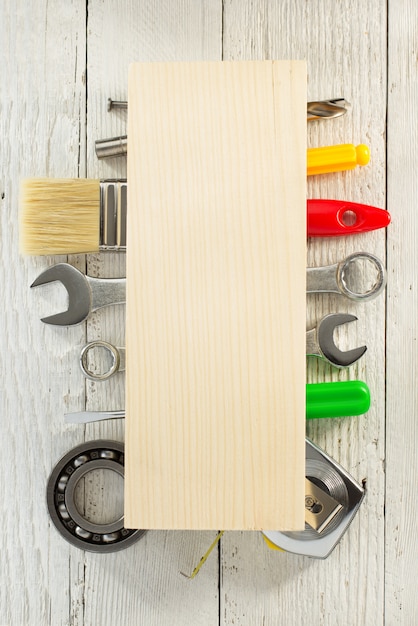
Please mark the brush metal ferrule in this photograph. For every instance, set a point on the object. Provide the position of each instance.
(113, 206)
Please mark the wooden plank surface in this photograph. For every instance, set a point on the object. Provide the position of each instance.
(216, 277)
(43, 133)
(401, 605)
(46, 131)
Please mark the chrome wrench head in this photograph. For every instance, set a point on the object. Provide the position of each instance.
(336, 278)
(79, 293)
(325, 333)
(343, 269)
(117, 355)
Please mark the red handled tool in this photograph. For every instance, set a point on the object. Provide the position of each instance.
(332, 218)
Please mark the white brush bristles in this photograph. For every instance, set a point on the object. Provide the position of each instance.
(59, 216)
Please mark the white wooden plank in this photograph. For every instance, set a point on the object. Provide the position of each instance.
(145, 585)
(345, 47)
(42, 53)
(402, 435)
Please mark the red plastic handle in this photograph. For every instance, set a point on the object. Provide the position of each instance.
(332, 218)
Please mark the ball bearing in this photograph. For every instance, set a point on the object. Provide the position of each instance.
(62, 484)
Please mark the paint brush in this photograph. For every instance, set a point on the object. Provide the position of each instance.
(78, 216)
(72, 216)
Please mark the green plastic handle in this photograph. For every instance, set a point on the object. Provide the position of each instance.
(337, 399)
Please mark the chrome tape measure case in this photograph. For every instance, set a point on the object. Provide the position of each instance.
(332, 500)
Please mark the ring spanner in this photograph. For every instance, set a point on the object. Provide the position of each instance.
(319, 342)
(87, 294)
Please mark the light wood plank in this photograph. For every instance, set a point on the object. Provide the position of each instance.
(216, 295)
(402, 327)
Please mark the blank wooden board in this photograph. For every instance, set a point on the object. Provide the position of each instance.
(216, 312)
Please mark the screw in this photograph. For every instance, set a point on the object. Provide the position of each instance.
(309, 502)
(312, 505)
(116, 104)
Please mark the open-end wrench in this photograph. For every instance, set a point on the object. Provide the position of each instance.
(85, 294)
(320, 341)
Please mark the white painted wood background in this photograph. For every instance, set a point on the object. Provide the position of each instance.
(59, 62)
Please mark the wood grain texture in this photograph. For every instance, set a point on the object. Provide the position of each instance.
(42, 104)
(216, 295)
(401, 605)
(52, 110)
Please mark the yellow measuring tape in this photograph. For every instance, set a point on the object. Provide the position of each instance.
(205, 556)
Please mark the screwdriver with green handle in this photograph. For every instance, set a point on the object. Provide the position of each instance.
(335, 399)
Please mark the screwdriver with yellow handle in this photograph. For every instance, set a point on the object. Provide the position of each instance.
(337, 158)
(324, 160)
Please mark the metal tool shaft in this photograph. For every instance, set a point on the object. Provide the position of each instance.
(118, 146)
(84, 417)
(106, 291)
(318, 109)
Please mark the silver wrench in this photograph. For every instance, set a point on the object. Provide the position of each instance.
(334, 278)
(85, 294)
(320, 341)
(117, 355)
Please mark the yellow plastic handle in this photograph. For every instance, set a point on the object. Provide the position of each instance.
(336, 158)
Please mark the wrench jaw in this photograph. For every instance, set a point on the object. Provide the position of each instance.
(326, 343)
(79, 294)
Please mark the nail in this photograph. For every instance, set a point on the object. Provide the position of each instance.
(116, 104)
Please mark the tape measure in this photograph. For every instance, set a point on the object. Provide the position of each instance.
(332, 498)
